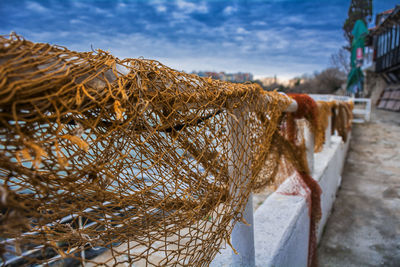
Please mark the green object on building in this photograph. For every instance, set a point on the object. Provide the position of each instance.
(355, 79)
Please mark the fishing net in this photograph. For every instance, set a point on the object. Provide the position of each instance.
(106, 161)
(324, 114)
(289, 145)
(342, 117)
(288, 154)
(126, 160)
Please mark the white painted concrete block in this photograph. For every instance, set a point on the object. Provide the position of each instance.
(243, 238)
(282, 222)
(282, 231)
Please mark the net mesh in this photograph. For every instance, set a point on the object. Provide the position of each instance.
(324, 114)
(342, 118)
(108, 161)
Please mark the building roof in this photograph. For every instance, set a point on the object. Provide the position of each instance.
(386, 19)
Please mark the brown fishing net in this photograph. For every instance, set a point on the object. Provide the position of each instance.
(129, 161)
(288, 156)
(289, 144)
(324, 113)
(342, 117)
(106, 161)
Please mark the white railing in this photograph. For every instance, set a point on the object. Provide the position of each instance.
(282, 221)
(243, 234)
(362, 106)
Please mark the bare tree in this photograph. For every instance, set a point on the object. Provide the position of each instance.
(329, 80)
(325, 82)
(341, 60)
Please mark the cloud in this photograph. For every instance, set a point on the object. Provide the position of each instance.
(179, 17)
(36, 7)
(241, 30)
(262, 58)
(75, 21)
(159, 6)
(258, 23)
(216, 35)
(80, 5)
(122, 5)
(189, 7)
(297, 19)
(50, 36)
(103, 12)
(90, 9)
(263, 36)
(229, 10)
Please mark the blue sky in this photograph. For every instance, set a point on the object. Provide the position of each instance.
(272, 37)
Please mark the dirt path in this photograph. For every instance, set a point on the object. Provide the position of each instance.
(364, 228)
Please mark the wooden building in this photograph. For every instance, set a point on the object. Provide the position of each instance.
(384, 39)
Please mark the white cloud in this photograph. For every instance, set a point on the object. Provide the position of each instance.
(178, 17)
(186, 57)
(189, 7)
(161, 8)
(45, 36)
(80, 5)
(238, 38)
(121, 5)
(294, 20)
(75, 21)
(231, 47)
(93, 8)
(228, 44)
(103, 12)
(231, 57)
(263, 36)
(36, 7)
(229, 10)
(301, 20)
(259, 23)
(241, 30)
(100, 11)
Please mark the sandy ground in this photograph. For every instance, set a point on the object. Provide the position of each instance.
(364, 228)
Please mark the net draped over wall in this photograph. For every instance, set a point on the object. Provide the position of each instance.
(129, 161)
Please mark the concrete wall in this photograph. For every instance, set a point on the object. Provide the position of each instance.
(374, 86)
(282, 222)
